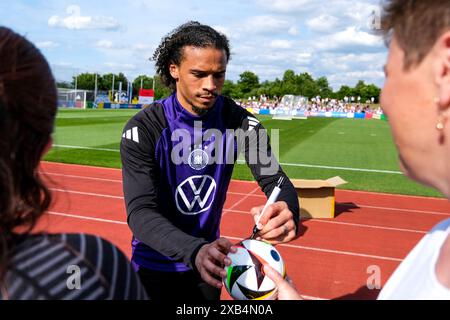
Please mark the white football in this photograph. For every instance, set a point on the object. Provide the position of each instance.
(246, 279)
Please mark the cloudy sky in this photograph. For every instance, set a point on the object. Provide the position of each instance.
(325, 38)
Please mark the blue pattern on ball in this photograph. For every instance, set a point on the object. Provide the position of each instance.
(275, 255)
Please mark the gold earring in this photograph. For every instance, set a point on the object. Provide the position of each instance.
(441, 118)
(441, 123)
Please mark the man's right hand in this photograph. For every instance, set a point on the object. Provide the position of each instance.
(211, 260)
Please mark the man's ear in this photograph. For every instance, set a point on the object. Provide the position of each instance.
(47, 147)
(443, 75)
(174, 71)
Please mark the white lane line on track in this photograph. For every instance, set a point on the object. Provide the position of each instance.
(378, 208)
(244, 198)
(391, 194)
(251, 195)
(234, 181)
(245, 212)
(404, 210)
(366, 206)
(347, 223)
(87, 193)
(53, 213)
(78, 177)
(369, 226)
(330, 251)
(348, 253)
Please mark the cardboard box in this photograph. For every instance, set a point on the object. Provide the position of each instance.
(316, 197)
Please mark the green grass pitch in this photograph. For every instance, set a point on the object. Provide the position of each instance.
(307, 148)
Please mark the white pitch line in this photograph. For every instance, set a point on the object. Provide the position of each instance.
(79, 165)
(243, 162)
(332, 168)
(235, 238)
(84, 148)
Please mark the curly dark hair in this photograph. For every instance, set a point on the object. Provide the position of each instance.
(192, 33)
(28, 105)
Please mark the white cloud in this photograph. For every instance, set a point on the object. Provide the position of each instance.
(350, 37)
(47, 45)
(105, 44)
(287, 6)
(120, 66)
(322, 23)
(352, 77)
(293, 31)
(303, 58)
(226, 31)
(264, 23)
(333, 62)
(366, 58)
(142, 46)
(142, 51)
(75, 21)
(63, 64)
(281, 44)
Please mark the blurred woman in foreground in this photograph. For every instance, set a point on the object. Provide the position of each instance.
(43, 266)
(416, 99)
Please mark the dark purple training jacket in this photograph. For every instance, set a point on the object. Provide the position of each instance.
(176, 170)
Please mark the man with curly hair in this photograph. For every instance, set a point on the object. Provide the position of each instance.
(178, 157)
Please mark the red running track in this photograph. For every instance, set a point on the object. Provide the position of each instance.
(331, 260)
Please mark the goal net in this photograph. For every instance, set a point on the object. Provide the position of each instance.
(70, 98)
(289, 107)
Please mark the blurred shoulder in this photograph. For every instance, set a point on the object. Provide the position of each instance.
(70, 266)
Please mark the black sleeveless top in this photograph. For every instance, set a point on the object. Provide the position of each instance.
(69, 267)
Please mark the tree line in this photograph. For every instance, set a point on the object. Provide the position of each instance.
(86, 81)
(302, 84)
(248, 85)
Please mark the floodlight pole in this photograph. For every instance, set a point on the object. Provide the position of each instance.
(96, 87)
(112, 89)
(76, 87)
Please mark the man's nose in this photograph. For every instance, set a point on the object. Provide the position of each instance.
(210, 84)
